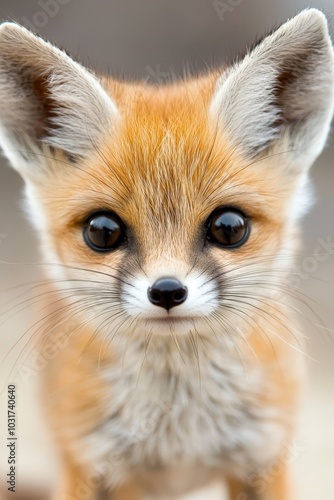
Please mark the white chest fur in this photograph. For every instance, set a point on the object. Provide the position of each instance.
(197, 413)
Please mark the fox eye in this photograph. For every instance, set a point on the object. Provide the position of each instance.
(228, 227)
(104, 232)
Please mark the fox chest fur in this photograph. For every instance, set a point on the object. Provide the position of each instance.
(207, 411)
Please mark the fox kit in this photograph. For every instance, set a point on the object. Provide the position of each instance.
(168, 216)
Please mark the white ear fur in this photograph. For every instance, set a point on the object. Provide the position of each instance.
(47, 100)
(282, 93)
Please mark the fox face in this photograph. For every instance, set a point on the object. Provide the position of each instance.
(169, 210)
(177, 227)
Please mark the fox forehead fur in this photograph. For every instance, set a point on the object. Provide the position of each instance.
(163, 159)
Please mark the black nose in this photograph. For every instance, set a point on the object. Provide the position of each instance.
(167, 293)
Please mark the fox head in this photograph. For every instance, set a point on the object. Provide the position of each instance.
(169, 209)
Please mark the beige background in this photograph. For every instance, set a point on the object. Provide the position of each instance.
(155, 39)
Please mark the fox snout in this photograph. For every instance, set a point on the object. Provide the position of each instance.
(167, 293)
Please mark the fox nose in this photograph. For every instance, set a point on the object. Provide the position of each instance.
(167, 293)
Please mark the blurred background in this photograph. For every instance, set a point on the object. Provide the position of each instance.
(155, 40)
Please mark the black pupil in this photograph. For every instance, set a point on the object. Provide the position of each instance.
(104, 232)
(228, 228)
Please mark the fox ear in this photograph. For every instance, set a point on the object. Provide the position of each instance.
(47, 101)
(281, 94)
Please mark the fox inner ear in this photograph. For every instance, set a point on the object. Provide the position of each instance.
(282, 93)
(47, 101)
